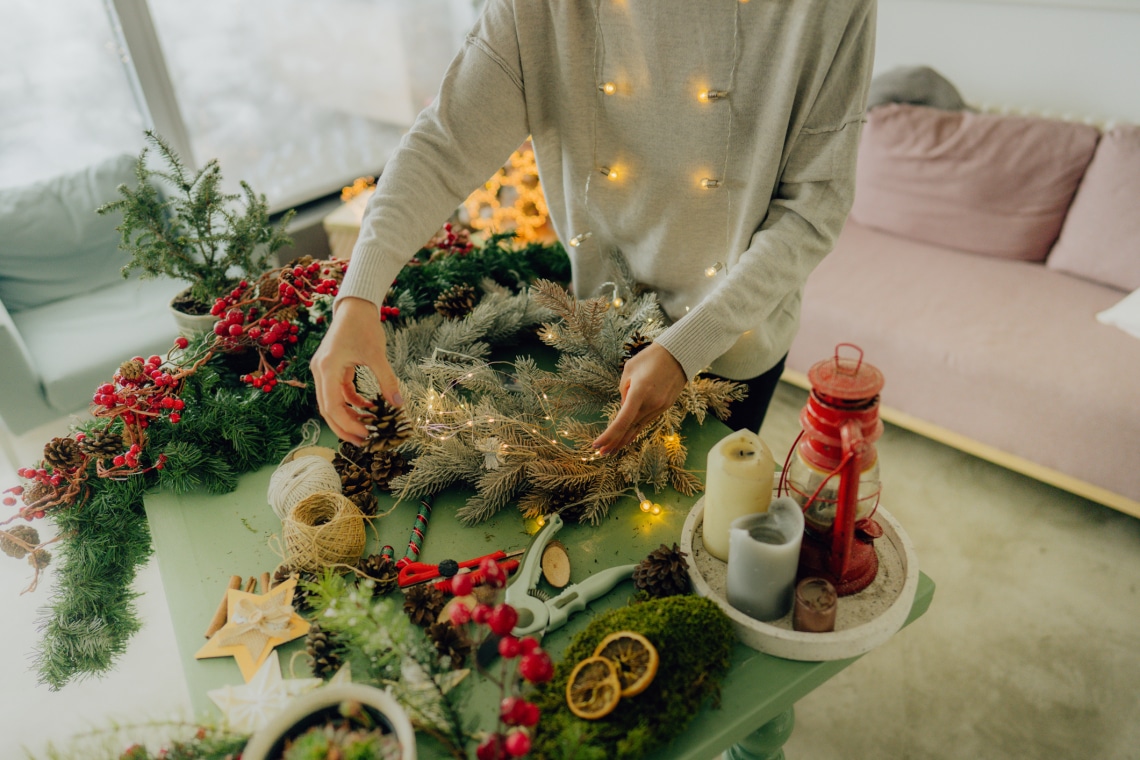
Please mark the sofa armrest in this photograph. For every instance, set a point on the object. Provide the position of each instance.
(23, 404)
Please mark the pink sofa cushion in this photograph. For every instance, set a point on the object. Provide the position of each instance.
(989, 184)
(1100, 239)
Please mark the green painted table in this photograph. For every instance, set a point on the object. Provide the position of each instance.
(201, 540)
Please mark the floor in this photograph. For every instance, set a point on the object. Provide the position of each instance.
(1031, 648)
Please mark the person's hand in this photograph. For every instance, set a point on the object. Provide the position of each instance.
(355, 337)
(650, 383)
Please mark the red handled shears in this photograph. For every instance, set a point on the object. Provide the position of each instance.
(420, 572)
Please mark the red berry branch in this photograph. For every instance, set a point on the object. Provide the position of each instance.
(262, 318)
(524, 661)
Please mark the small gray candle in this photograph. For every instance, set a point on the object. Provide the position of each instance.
(763, 554)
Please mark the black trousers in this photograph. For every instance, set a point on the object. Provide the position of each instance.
(749, 413)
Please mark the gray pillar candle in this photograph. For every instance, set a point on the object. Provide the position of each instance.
(763, 554)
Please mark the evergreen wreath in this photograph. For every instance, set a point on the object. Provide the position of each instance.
(524, 433)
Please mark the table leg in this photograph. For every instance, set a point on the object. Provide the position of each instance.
(766, 742)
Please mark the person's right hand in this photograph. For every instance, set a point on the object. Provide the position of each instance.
(355, 338)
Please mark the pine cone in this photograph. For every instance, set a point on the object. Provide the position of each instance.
(457, 301)
(36, 492)
(356, 484)
(423, 603)
(39, 559)
(450, 642)
(663, 573)
(283, 573)
(131, 369)
(63, 453)
(383, 572)
(387, 465)
(636, 343)
(387, 426)
(348, 452)
(101, 444)
(25, 533)
(322, 648)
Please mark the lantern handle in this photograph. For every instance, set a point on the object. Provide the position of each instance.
(839, 365)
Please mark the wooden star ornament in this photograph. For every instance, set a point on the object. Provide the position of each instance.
(255, 625)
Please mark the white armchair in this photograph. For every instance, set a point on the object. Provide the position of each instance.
(67, 317)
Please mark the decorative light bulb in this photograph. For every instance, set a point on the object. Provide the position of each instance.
(655, 509)
(646, 505)
(608, 173)
(577, 240)
(711, 271)
(618, 302)
(710, 184)
(608, 88)
(706, 95)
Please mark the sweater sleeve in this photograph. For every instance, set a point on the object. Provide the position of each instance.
(805, 214)
(455, 144)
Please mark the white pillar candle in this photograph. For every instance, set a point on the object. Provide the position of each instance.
(763, 558)
(738, 482)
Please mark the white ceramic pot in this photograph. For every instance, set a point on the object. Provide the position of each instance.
(265, 741)
(190, 325)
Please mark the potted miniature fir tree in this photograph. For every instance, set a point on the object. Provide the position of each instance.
(178, 223)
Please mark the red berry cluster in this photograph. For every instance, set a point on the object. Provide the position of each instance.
(139, 399)
(388, 312)
(450, 242)
(534, 665)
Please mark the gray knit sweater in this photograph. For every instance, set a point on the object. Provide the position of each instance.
(705, 146)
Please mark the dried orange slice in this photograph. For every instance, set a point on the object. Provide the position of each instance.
(636, 660)
(594, 688)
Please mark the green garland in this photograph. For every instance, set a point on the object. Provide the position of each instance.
(694, 640)
(226, 428)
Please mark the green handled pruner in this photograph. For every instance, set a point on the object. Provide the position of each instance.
(537, 615)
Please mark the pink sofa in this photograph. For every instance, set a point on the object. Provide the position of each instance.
(977, 256)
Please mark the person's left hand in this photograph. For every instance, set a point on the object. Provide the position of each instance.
(650, 383)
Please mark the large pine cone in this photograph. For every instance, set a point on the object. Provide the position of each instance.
(25, 533)
(387, 465)
(423, 603)
(457, 301)
(356, 484)
(387, 426)
(63, 453)
(102, 444)
(663, 573)
(450, 642)
(37, 492)
(322, 648)
(383, 572)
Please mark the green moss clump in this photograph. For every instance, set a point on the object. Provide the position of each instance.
(694, 640)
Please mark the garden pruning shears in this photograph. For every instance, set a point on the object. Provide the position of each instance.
(538, 614)
(413, 573)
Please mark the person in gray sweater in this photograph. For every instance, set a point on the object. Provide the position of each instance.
(704, 148)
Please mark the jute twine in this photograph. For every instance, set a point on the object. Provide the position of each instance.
(324, 530)
(298, 478)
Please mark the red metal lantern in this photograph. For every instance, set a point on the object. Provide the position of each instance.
(832, 471)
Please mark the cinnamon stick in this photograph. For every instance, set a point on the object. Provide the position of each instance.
(265, 583)
(250, 585)
(219, 618)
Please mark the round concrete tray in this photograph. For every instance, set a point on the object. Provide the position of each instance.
(863, 620)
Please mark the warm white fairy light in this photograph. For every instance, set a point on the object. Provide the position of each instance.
(609, 88)
(608, 173)
(711, 271)
(577, 240)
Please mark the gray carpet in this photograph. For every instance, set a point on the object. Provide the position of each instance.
(1031, 648)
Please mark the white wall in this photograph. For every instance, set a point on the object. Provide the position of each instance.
(1077, 57)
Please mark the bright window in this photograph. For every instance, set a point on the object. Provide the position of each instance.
(299, 97)
(65, 98)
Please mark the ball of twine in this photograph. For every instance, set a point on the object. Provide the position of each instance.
(298, 478)
(324, 530)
